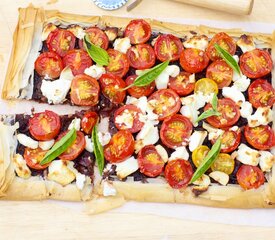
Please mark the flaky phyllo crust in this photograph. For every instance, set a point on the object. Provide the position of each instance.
(19, 83)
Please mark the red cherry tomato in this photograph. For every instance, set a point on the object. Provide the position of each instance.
(121, 146)
(168, 47)
(84, 90)
(118, 63)
(220, 72)
(261, 94)
(193, 60)
(138, 92)
(44, 126)
(224, 41)
(97, 37)
(138, 30)
(178, 173)
(127, 117)
(111, 86)
(150, 162)
(141, 56)
(78, 60)
(183, 84)
(230, 113)
(250, 177)
(89, 121)
(175, 131)
(75, 149)
(60, 41)
(256, 63)
(48, 64)
(261, 137)
(33, 158)
(165, 103)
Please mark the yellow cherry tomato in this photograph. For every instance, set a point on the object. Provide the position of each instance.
(199, 154)
(224, 163)
(206, 86)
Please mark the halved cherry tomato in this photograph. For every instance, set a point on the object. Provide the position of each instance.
(183, 84)
(223, 40)
(261, 93)
(127, 117)
(168, 47)
(175, 131)
(44, 126)
(89, 121)
(250, 177)
(165, 103)
(33, 158)
(150, 162)
(206, 86)
(118, 63)
(220, 72)
(138, 92)
(178, 173)
(199, 154)
(97, 37)
(138, 30)
(230, 140)
(261, 137)
(111, 86)
(256, 63)
(230, 113)
(78, 60)
(75, 149)
(60, 41)
(120, 147)
(224, 163)
(84, 90)
(49, 64)
(141, 56)
(193, 60)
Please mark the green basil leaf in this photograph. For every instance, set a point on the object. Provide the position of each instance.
(98, 150)
(208, 160)
(215, 102)
(59, 147)
(208, 113)
(228, 58)
(98, 54)
(149, 76)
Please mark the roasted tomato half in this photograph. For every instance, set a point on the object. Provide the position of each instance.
(97, 37)
(175, 131)
(178, 173)
(75, 149)
(48, 64)
(89, 121)
(128, 117)
(165, 103)
(120, 147)
(78, 60)
(220, 72)
(199, 154)
(44, 126)
(183, 84)
(138, 30)
(111, 87)
(193, 60)
(84, 90)
(250, 177)
(256, 63)
(229, 111)
(224, 163)
(261, 93)
(261, 137)
(141, 56)
(206, 86)
(33, 158)
(168, 47)
(138, 92)
(118, 63)
(150, 162)
(224, 41)
(60, 41)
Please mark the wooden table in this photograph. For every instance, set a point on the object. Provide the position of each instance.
(47, 220)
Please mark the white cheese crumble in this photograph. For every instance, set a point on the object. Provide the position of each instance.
(234, 94)
(103, 125)
(127, 167)
(27, 141)
(104, 138)
(220, 177)
(75, 124)
(199, 42)
(126, 119)
(196, 139)
(214, 133)
(266, 160)
(108, 189)
(247, 155)
(203, 181)
(162, 152)
(262, 116)
(241, 82)
(122, 44)
(46, 145)
(163, 79)
(179, 153)
(21, 168)
(246, 43)
(89, 146)
(95, 71)
(246, 109)
(78, 31)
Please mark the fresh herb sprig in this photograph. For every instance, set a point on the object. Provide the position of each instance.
(98, 150)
